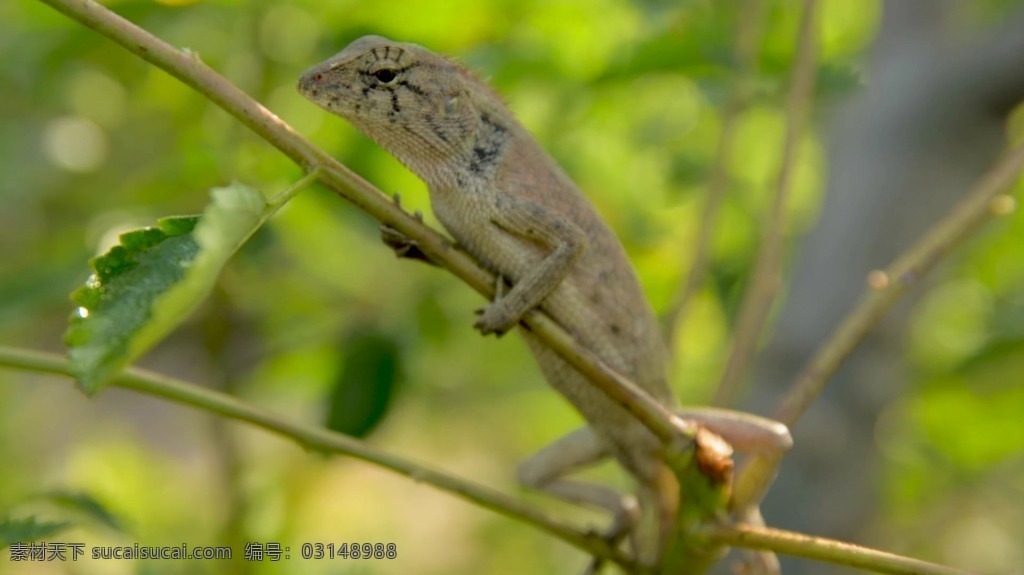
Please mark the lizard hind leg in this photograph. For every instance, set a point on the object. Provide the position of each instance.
(546, 469)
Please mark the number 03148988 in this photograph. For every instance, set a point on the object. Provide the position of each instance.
(349, 551)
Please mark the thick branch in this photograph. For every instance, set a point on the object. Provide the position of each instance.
(185, 393)
(190, 70)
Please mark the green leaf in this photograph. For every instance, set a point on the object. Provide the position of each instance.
(362, 393)
(28, 529)
(146, 286)
(84, 504)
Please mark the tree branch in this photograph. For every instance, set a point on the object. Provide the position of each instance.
(885, 287)
(746, 536)
(190, 70)
(821, 549)
(185, 393)
(665, 425)
(767, 276)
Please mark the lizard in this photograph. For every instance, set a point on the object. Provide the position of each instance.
(509, 204)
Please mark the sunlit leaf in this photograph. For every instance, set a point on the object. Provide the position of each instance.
(146, 286)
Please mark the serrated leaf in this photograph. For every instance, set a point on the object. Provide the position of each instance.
(28, 529)
(365, 387)
(146, 286)
(115, 302)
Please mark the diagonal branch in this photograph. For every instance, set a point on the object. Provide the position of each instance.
(317, 438)
(666, 426)
(886, 287)
(746, 536)
(190, 70)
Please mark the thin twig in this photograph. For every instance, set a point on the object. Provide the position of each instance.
(185, 393)
(822, 549)
(748, 40)
(767, 276)
(746, 536)
(190, 70)
(981, 204)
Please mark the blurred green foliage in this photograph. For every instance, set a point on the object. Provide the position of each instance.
(626, 95)
(361, 393)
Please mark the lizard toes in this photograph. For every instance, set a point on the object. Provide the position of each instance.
(402, 245)
(391, 236)
(483, 327)
(490, 322)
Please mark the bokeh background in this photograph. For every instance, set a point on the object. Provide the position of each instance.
(315, 319)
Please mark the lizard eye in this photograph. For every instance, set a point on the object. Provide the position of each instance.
(385, 75)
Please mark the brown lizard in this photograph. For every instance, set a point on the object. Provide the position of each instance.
(507, 202)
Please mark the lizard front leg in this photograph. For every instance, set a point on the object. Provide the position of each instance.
(403, 246)
(535, 224)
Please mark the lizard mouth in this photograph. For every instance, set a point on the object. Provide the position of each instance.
(310, 82)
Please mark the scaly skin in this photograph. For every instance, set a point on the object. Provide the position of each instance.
(506, 201)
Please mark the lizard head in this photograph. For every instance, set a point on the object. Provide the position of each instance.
(413, 102)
